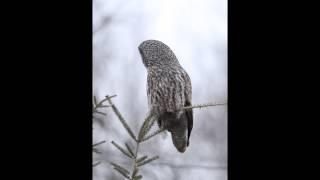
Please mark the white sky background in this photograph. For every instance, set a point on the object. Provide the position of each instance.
(196, 30)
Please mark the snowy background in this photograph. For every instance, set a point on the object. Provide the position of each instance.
(196, 30)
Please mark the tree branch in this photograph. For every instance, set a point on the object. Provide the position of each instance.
(117, 112)
(204, 105)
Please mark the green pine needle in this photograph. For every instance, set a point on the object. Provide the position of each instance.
(148, 161)
(141, 159)
(137, 177)
(129, 149)
(145, 127)
(135, 171)
(118, 167)
(122, 150)
(152, 135)
(121, 172)
(100, 113)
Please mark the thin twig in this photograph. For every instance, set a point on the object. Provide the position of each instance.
(129, 149)
(148, 161)
(152, 134)
(120, 167)
(121, 170)
(145, 127)
(96, 163)
(96, 144)
(97, 105)
(153, 119)
(141, 159)
(135, 172)
(100, 104)
(100, 113)
(109, 97)
(96, 151)
(204, 105)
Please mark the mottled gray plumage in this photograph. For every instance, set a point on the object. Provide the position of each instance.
(168, 90)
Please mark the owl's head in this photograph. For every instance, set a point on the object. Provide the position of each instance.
(156, 53)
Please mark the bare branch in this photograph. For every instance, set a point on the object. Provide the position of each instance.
(204, 105)
(96, 144)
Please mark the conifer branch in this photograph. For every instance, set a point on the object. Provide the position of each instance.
(124, 123)
(143, 135)
(95, 106)
(122, 150)
(145, 128)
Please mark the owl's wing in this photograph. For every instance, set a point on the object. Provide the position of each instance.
(166, 91)
(169, 92)
(188, 102)
(189, 114)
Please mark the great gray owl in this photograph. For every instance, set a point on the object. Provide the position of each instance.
(168, 91)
